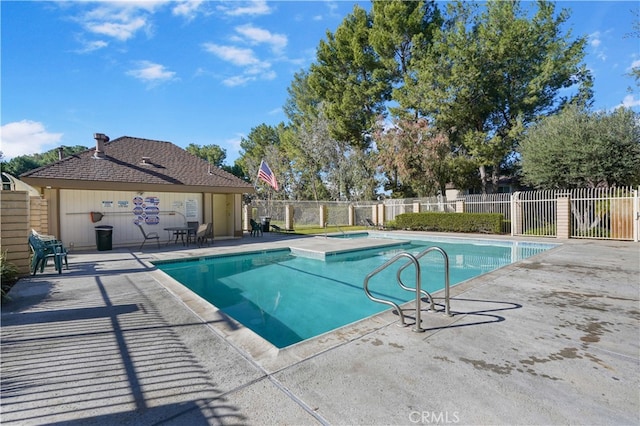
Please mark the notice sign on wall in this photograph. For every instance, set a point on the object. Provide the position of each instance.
(191, 209)
(146, 210)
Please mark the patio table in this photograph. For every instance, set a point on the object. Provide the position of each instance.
(178, 231)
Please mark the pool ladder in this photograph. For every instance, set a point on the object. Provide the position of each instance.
(413, 260)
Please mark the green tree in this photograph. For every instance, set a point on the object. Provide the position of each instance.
(22, 164)
(264, 142)
(489, 75)
(214, 154)
(576, 148)
(350, 80)
(401, 31)
(302, 103)
(635, 70)
(308, 149)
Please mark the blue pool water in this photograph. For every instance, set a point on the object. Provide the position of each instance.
(286, 298)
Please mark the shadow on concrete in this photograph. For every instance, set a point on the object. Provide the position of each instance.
(477, 316)
(116, 363)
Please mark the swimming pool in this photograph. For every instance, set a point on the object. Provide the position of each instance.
(286, 297)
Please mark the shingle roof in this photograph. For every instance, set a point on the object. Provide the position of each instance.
(164, 164)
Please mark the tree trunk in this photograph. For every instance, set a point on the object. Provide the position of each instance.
(483, 178)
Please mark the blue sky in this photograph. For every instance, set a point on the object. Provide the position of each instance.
(205, 72)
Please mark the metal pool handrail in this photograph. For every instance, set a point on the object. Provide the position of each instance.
(447, 309)
(412, 259)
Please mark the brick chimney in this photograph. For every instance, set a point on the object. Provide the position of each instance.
(60, 152)
(101, 139)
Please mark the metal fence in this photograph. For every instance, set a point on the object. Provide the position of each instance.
(488, 203)
(604, 213)
(534, 213)
(600, 213)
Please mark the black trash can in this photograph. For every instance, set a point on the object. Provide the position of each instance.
(104, 235)
(266, 221)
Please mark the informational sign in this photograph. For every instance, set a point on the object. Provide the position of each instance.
(107, 204)
(191, 209)
(123, 204)
(146, 210)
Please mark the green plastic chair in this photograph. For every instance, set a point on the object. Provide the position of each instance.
(45, 250)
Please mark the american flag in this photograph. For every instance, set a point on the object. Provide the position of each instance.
(267, 175)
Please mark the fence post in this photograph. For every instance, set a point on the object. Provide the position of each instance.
(416, 206)
(324, 219)
(516, 215)
(380, 217)
(459, 206)
(288, 216)
(636, 214)
(245, 216)
(563, 217)
(352, 215)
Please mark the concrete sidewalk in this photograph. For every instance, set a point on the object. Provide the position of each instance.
(553, 339)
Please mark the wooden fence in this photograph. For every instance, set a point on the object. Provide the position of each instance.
(19, 213)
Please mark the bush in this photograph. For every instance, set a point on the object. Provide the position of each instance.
(548, 229)
(8, 274)
(451, 222)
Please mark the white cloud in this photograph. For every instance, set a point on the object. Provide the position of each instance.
(91, 46)
(120, 20)
(256, 35)
(630, 101)
(150, 72)
(596, 42)
(26, 137)
(119, 30)
(187, 8)
(236, 55)
(634, 64)
(237, 80)
(256, 7)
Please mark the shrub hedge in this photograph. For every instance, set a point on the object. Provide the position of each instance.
(451, 222)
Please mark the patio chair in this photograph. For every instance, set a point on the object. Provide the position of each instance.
(256, 228)
(45, 250)
(193, 230)
(205, 233)
(369, 223)
(149, 236)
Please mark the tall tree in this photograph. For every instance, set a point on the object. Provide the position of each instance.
(419, 154)
(214, 154)
(264, 142)
(401, 31)
(350, 80)
(302, 103)
(309, 149)
(488, 75)
(576, 148)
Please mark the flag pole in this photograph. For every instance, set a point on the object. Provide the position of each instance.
(255, 184)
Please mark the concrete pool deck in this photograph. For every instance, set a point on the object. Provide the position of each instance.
(553, 339)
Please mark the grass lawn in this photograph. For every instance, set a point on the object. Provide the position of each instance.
(311, 229)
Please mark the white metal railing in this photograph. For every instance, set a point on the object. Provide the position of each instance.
(488, 203)
(534, 213)
(600, 213)
(604, 213)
